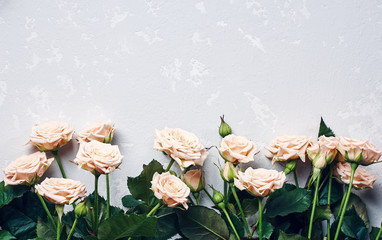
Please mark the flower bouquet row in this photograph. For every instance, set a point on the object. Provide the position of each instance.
(252, 204)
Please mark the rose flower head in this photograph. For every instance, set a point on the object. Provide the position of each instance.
(260, 182)
(182, 146)
(229, 172)
(99, 131)
(194, 179)
(60, 190)
(50, 136)
(323, 152)
(170, 189)
(237, 149)
(358, 151)
(285, 148)
(27, 169)
(362, 178)
(97, 157)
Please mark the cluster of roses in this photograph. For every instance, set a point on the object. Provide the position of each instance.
(95, 154)
(186, 149)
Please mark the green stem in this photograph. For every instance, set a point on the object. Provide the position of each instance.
(260, 229)
(230, 222)
(72, 230)
(254, 228)
(196, 196)
(47, 210)
(329, 198)
(379, 234)
(208, 194)
(295, 178)
(240, 208)
(314, 206)
(108, 196)
(96, 176)
(169, 165)
(343, 200)
(323, 183)
(153, 211)
(55, 154)
(225, 192)
(58, 229)
(353, 168)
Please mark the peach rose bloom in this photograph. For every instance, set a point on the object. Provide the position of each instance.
(357, 150)
(99, 131)
(193, 179)
(260, 182)
(323, 152)
(50, 136)
(182, 146)
(362, 178)
(237, 149)
(98, 157)
(27, 169)
(60, 190)
(170, 189)
(285, 148)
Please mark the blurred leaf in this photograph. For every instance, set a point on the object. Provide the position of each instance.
(322, 213)
(140, 186)
(250, 206)
(5, 235)
(360, 207)
(236, 223)
(45, 230)
(80, 231)
(10, 192)
(167, 224)
(297, 200)
(325, 130)
(121, 226)
(267, 229)
(17, 223)
(353, 226)
(201, 223)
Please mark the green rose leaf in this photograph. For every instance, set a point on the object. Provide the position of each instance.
(353, 226)
(17, 223)
(45, 230)
(140, 186)
(335, 196)
(374, 233)
(360, 207)
(129, 201)
(201, 223)
(167, 222)
(322, 213)
(236, 223)
(267, 229)
(121, 226)
(284, 236)
(295, 201)
(325, 130)
(250, 206)
(80, 231)
(5, 235)
(10, 192)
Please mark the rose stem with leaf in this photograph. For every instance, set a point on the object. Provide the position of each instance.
(314, 203)
(96, 177)
(240, 208)
(329, 198)
(354, 167)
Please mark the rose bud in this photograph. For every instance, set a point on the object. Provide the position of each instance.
(81, 209)
(323, 152)
(99, 131)
(194, 180)
(229, 173)
(217, 197)
(358, 151)
(224, 128)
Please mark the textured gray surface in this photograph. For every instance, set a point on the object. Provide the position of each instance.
(272, 67)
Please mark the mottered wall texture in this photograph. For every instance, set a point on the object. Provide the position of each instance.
(272, 67)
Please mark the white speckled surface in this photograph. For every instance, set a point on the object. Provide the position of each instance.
(272, 67)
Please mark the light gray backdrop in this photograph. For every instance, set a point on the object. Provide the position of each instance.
(272, 67)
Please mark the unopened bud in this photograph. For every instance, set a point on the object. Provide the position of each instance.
(290, 166)
(229, 173)
(224, 128)
(217, 197)
(81, 209)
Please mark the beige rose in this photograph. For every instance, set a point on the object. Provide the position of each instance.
(359, 151)
(98, 157)
(260, 182)
(237, 149)
(99, 131)
(50, 136)
(229, 173)
(182, 146)
(170, 189)
(27, 169)
(362, 178)
(323, 152)
(286, 148)
(194, 180)
(60, 190)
